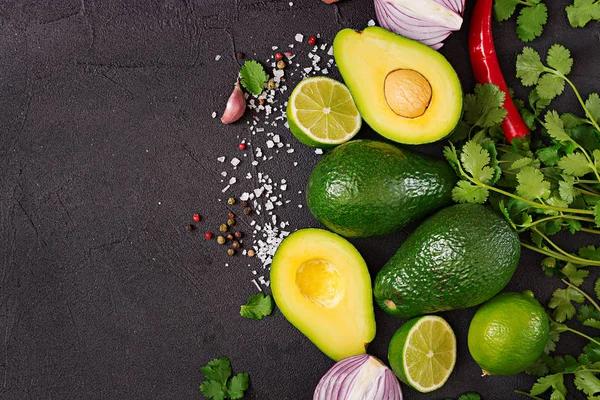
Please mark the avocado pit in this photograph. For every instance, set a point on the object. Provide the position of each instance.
(407, 93)
(320, 282)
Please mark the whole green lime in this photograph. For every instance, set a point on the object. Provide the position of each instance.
(508, 333)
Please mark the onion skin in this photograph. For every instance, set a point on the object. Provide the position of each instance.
(236, 105)
(430, 28)
(330, 1)
(361, 377)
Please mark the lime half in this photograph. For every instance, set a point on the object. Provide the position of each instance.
(322, 113)
(422, 353)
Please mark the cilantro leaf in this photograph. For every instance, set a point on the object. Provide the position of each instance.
(539, 367)
(253, 77)
(587, 382)
(484, 107)
(238, 385)
(550, 85)
(258, 306)
(218, 370)
(553, 337)
(593, 104)
(565, 364)
(597, 214)
(556, 127)
(559, 58)
(529, 67)
(555, 381)
(596, 155)
(566, 189)
(466, 192)
(583, 11)
(470, 396)
(575, 276)
(592, 351)
(212, 390)
(549, 155)
(597, 288)
(218, 385)
(575, 164)
(593, 254)
(475, 160)
(586, 312)
(452, 157)
(531, 21)
(532, 185)
(561, 303)
(592, 323)
(504, 9)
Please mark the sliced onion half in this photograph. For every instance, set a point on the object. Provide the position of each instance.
(427, 21)
(361, 377)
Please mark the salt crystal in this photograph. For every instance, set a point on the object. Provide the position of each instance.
(318, 151)
(307, 70)
(221, 159)
(232, 180)
(330, 51)
(274, 48)
(290, 151)
(276, 139)
(325, 71)
(255, 163)
(299, 37)
(270, 144)
(244, 196)
(258, 192)
(283, 187)
(217, 57)
(248, 175)
(291, 4)
(295, 164)
(299, 205)
(214, 114)
(224, 173)
(279, 145)
(371, 23)
(225, 189)
(235, 162)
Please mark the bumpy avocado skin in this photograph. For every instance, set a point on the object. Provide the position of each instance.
(366, 188)
(458, 258)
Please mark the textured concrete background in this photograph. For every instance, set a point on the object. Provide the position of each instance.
(107, 146)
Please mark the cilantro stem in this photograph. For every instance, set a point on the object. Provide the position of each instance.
(559, 256)
(528, 395)
(591, 300)
(541, 220)
(587, 112)
(588, 230)
(575, 331)
(576, 260)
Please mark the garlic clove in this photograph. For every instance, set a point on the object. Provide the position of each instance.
(236, 105)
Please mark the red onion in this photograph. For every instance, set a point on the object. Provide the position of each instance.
(236, 105)
(427, 21)
(361, 377)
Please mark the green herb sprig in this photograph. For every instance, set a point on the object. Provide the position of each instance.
(583, 11)
(258, 306)
(219, 384)
(531, 20)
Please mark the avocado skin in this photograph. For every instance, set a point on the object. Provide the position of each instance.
(366, 188)
(460, 257)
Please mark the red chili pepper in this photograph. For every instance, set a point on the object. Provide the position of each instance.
(487, 69)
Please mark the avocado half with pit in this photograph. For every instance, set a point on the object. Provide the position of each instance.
(321, 285)
(404, 90)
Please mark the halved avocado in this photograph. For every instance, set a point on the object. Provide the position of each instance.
(406, 91)
(321, 284)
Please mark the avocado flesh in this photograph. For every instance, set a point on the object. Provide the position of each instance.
(458, 258)
(365, 59)
(321, 285)
(366, 188)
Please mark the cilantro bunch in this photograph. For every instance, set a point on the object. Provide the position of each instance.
(531, 20)
(545, 184)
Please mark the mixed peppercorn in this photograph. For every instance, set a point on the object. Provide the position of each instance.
(227, 236)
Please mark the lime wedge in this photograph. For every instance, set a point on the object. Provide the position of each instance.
(422, 353)
(322, 113)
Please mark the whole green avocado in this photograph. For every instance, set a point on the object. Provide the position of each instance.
(366, 188)
(460, 257)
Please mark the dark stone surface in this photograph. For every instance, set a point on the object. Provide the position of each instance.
(107, 147)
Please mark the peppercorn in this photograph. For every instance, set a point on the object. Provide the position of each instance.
(189, 227)
(247, 211)
(231, 251)
(244, 204)
(239, 55)
(230, 214)
(231, 201)
(220, 239)
(271, 84)
(229, 236)
(281, 64)
(238, 234)
(242, 146)
(251, 253)
(235, 245)
(231, 222)
(278, 56)
(196, 217)
(261, 101)
(223, 227)
(208, 235)
(312, 40)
